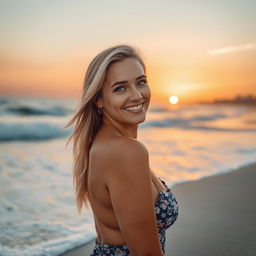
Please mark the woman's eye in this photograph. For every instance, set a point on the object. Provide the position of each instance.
(118, 89)
(142, 82)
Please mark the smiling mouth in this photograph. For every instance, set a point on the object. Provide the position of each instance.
(136, 108)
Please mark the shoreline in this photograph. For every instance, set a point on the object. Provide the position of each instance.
(223, 171)
(217, 216)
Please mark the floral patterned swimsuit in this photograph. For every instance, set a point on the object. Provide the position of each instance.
(167, 211)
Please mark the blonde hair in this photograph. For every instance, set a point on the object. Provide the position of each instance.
(87, 120)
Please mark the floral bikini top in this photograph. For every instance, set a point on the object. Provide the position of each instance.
(167, 211)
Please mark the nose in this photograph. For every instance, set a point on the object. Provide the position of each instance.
(135, 95)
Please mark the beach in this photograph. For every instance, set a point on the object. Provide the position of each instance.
(194, 74)
(217, 217)
(37, 201)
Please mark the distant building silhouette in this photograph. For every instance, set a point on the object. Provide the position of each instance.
(247, 99)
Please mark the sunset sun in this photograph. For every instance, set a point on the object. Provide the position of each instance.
(173, 99)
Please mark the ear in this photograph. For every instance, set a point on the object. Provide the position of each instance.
(98, 103)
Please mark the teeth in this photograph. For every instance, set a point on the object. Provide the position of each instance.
(134, 108)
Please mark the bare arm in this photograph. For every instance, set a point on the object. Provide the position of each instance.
(129, 184)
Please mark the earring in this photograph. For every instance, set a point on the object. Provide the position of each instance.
(99, 110)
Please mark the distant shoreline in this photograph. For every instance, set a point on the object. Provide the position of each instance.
(245, 100)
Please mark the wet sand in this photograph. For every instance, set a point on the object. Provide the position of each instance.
(217, 217)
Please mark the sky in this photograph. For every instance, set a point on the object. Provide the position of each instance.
(197, 50)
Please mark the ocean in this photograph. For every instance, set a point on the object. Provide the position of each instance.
(38, 214)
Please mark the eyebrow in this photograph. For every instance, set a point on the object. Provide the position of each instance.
(124, 82)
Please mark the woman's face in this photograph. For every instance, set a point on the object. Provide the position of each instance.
(124, 90)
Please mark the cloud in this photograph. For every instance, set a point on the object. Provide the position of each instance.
(233, 48)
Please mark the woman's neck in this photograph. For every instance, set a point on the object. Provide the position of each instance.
(130, 132)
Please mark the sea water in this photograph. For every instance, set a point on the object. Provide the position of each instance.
(38, 215)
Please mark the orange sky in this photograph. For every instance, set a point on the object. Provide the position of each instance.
(195, 52)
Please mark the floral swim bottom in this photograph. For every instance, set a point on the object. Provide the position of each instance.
(110, 250)
(120, 250)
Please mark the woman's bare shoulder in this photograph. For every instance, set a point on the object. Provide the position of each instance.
(125, 146)
(126, 159)
(119, 155)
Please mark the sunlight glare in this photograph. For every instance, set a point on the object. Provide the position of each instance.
(173, 99)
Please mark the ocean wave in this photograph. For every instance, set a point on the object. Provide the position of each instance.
(185, 125)
(195, 123)
(3, 101)
(182, 122)
(41, 239)
(31, 131)
(27, 110)
(35, 107)
(159, 109)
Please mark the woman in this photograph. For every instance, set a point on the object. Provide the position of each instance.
(132, 208)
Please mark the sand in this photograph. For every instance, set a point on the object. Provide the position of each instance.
(217, 217)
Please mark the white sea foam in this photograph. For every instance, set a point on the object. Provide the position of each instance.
(53, 247)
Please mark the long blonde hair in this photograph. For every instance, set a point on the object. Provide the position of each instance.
(87, 120)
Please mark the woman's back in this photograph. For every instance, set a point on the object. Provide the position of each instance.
(105, 164)
(106, 224)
